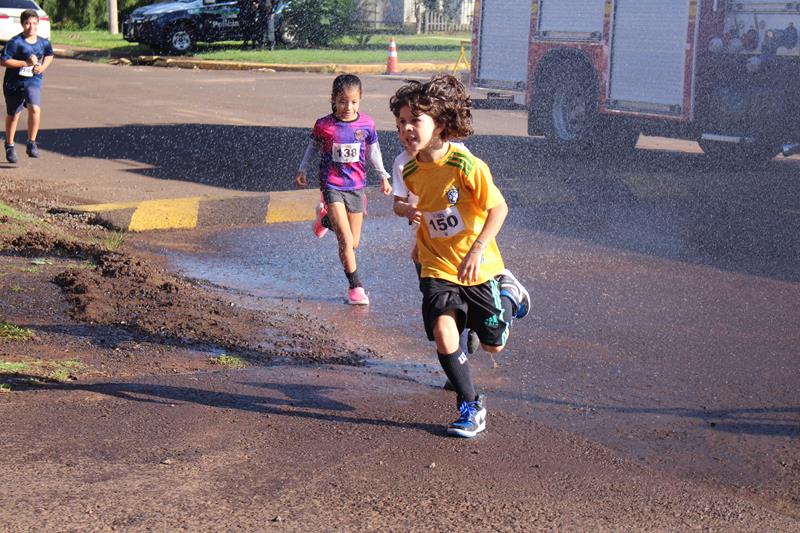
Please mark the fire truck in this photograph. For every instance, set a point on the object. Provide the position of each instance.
(596, 73)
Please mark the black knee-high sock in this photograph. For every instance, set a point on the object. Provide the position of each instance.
(508, 308)
(352, 279)
(456, 367)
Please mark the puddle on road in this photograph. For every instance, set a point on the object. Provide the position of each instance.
(270, 262)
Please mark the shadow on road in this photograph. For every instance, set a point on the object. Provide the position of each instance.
(735, 219)
(767, 421)
(243, 158)
(299, 400)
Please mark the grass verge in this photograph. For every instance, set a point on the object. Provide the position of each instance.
(6, 211)
(114, 241)
(37, 372)
(228, 361)
(10, 332)
(14, 223)
(410, 48)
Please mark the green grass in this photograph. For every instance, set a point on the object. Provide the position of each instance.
(41, 370)
(84, 265)
(11, 213)
(5, 388)
(10, 332)
(60, 370)
(230, 361)
(14, 223)
(114, 241)
(101, 40)
(410, 48)
(13, 368)
(30, 269)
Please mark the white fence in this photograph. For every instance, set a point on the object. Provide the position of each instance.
(449, 22)
(435, 21)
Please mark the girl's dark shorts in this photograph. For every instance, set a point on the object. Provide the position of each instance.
(478, 307)
(18, 96)
(354, 201)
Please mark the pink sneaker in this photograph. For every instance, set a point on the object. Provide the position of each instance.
(357, 296)
(319, 229)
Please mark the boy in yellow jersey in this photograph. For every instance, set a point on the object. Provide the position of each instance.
(463, 280)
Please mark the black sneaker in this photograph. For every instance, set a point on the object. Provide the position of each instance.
(471, 420)
(32, 149)
(511, 287)
(11, 154)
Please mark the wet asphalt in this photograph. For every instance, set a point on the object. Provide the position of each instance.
(665, 318)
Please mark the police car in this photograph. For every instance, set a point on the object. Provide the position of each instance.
(177, 26)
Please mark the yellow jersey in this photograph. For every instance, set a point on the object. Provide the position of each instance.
(455, 194)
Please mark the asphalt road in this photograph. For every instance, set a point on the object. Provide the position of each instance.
(665, 290)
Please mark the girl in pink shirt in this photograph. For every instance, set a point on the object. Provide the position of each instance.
(345, 140)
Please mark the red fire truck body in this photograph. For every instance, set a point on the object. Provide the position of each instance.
(599, 72)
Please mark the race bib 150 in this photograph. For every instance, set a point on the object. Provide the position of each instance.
(443, 223)
(347, 152)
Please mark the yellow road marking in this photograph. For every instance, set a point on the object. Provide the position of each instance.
(292, 206)
(180, 213)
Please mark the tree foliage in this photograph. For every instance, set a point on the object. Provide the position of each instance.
(86, 14)
(319, 22)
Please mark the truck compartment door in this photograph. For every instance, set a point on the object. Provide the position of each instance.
(502, 53)
(571, 19)
(649, 43)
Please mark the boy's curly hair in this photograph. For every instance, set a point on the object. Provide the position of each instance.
(443, 98)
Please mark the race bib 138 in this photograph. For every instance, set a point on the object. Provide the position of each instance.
(347, 152)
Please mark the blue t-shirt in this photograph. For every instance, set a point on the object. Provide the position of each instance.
(19, 48)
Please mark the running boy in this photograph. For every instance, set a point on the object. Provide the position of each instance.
(344, 139)
(461, 211)
(405, 205)
(26, 57)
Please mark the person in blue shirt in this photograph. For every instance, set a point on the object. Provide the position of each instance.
(26, 56)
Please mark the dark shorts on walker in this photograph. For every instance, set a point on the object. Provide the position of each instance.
(19, 96)
(478, 306)
(354, 201)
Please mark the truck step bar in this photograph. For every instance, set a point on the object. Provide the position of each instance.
(727, 138)
(790, 149)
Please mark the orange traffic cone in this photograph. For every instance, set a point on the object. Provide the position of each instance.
(391, 62)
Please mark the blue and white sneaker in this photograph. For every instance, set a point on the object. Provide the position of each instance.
(511, 287)
(471, 420)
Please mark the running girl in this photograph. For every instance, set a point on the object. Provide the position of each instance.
(345, 139)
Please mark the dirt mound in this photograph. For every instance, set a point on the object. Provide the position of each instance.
(137, 292)
(34, 243)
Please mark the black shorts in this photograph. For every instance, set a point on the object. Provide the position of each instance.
(478, 307)
(354, 201)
